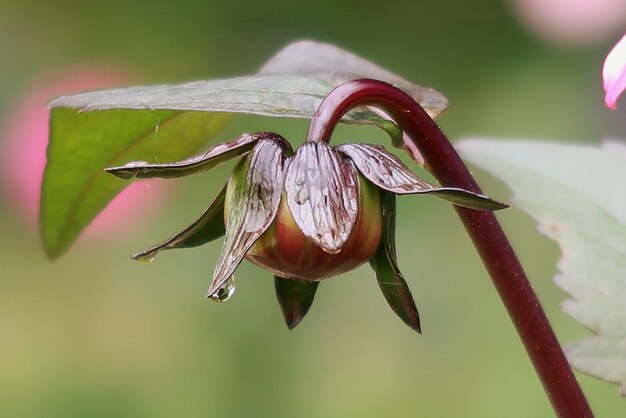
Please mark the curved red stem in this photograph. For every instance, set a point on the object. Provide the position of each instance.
(495, 250)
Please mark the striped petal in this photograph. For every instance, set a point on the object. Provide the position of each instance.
(322, 195)
(389, 173)
(257, 185)
(193, 165)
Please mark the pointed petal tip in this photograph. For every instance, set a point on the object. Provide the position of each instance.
(120, 172)
(220, 296)
(497, 205)
(416, 327)
(221, 291)
(295, 299)
(212, 296)
(411, 321)
(144, 257)
(292, 322)
(467, 199)
(212, 293)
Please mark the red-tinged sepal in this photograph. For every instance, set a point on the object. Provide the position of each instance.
(208, 227)
(253, 195)
(390, 280)
(295, 298)
(389, 173)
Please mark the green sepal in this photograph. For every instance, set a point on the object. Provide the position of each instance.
(390, 280)
(208, 227)
(467, 199)
(295, 298)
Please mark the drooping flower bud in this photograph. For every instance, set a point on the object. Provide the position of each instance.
(304, 217)
(285, 251)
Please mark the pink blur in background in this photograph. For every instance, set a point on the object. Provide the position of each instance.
(23, 141)
(573, 22)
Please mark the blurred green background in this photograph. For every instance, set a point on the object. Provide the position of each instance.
(97, 335)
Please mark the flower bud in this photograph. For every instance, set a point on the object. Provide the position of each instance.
(286, 252)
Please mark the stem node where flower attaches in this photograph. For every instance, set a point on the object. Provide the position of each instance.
(494, 248)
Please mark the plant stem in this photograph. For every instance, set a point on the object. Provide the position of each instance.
(495, 250)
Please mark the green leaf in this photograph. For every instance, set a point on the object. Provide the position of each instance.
(285, 96)
(578, 196)
(336, 66)
(290, 85)
(75, 187)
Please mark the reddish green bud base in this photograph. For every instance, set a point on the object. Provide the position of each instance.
(286, 252)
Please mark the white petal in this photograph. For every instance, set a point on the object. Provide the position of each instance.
(253, 208)
(322, 195)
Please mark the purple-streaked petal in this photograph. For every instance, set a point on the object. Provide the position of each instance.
(193, 165)
(389, 173)
(257, 188)
(208, 227)
(390, 280)
(614, 73)
(295, 298)
(322, 195)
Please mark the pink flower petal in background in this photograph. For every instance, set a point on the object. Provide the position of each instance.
(23, 142)
(614, 73)
(573, 22)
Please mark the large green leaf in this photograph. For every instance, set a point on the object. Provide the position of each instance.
(578, 196)
(291, 84)
(94, 130)
(75, 188)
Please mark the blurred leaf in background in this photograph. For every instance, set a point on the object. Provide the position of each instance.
(25, 138)
(577, 195)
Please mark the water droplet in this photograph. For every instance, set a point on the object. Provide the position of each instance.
(144, 258)
(225, 292)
